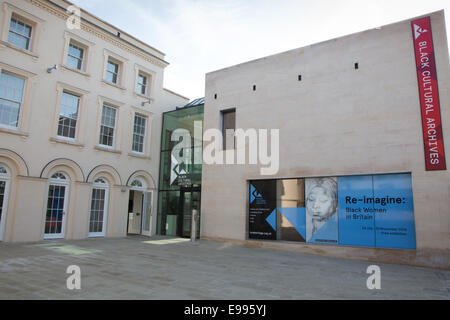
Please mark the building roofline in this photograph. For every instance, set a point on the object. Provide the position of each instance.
(177, 94)
(326, 41)
(181, 108)
(112, 34)
(118, 29)
(195, 102)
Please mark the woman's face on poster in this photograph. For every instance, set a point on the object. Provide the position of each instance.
(320, 204)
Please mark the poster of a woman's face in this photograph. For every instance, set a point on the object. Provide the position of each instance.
(321, 203)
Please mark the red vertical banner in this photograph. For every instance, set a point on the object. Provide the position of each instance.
(429, 94)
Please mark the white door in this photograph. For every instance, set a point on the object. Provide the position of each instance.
(4, 178)
(147, 213)
(99, 206)
(55, 221)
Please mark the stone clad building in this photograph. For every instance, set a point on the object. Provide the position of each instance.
(79, 143)
(349, 116)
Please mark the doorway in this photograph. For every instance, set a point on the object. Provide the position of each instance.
(55, 219)
(189, 200)
(99, 208)
(4, 185)
(140, 206)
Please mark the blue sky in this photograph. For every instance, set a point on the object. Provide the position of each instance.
(200, 36)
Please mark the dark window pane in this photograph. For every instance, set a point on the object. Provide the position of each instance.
(228, 127)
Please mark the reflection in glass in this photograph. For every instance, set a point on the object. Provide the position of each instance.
(19, 33)
(68, 115)
(2, 196)
(97, 210)
(11, 93)
(55, 209)
(290, 194)
(112, 71)
(180, 180)
(75, 56)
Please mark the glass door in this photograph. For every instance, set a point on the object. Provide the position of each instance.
(99, 207)
(3, 195)
(190, 200)
(147, 214)
(56, 212)
(187, 214)
(196, 205)
(4, 178)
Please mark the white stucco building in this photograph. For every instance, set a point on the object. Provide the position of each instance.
(79, 143)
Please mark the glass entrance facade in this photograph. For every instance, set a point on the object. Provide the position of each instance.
(180, 171)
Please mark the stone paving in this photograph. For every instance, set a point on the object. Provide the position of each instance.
(165, 268)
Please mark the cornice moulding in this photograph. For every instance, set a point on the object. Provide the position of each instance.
(88, 27)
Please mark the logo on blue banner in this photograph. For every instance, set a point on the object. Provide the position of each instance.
(368, 211)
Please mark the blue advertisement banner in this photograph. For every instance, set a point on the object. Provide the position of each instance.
(374, 211)
(262, 210)
(356, 218)
(321, 197)
(296, 216)
(394, 211)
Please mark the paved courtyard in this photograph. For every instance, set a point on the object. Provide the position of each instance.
(171, 268)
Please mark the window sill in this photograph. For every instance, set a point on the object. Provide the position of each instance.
(69, 142)
(114, 85)
(143, 96)
(16, 132)
(76, 70)
(101, 148)
(138, 155)
(27, 52)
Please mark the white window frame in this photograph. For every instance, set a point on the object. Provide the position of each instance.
(36, 23)
(151, 75)
(105, 104)
(112, 61)
(81, 122)
(121, 62)
(102, 186)
(142, 187)
(58, 182)
(145, 134)
(86, 45)
(101, 101)
(148, 133)
(4, 178)
(78, 117)
(20, 19)
(140, 85)
(81, 59)
(21, 100)
(25, 107)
